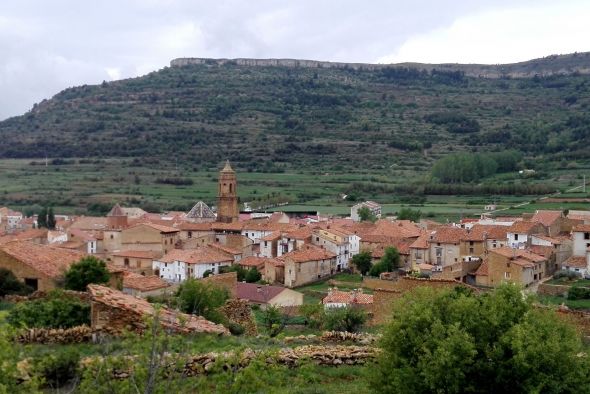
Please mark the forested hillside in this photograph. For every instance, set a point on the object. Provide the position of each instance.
(281, 118)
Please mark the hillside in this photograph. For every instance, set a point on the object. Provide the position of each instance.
(281, 117)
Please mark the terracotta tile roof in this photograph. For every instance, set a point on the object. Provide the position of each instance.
(483, 269)
(76, 245)
(34, 233)
(169, 318)
(187, 226)
(301, 233)
(138, 254)
(425, 267)
(254, 261)
(553, 240)
(116, 211)
(267, 225)
(575, 262)
(158, 227)
(143, 283)
(422, 241)
(479, 232)
(261, 294)
(225, 249)
(49, 260)
(272, 236)
(235, 226)
(402, 246)
(546, 218)
(541, 250)
(518, 253)
(522, 227)
(77, 234)
(202, 255)
(448, 235)
(307, 253)
(582, 228)
(347, 297)
(89, 223)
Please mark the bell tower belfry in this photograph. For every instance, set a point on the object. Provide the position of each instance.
(227, 195)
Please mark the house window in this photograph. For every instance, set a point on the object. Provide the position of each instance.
(516, 237)
(126, 262)
(507, 265)
(33, 283)
(470, 243)
(112, 236)
(471, 251)
(494, 245)
(507, 275)
(586, 235)
(190, 234)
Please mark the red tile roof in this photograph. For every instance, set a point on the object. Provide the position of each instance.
(518, 253)
(422, 241)
(202, 255)
(143, 283)
(522, 227)
(483, 269)
(479, 232)
(261, 294)
(448, 235)
(138, 254)
(575, 262)
(307, 253)
(254, 261)
(158, 227)
(582, 228)
(546, 218)
(49, 260)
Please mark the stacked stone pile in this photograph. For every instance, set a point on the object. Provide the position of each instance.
(239, 312)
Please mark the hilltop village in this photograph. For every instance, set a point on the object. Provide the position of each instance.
(152, 252)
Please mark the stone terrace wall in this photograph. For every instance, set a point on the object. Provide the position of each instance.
(228, 281)
(552, 290)
(382, 300)
(374, 283)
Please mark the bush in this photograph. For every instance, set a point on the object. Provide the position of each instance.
(86, 271)
(9, 284)
(202, 299)
(58, 310)
(313, 314)
(273, 320)
(578, 293)
(388, 263)
(236, 329)
(58, 368)
(349, 319)
(570, 275)
(252, 276)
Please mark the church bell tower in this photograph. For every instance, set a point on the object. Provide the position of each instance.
(227, 195)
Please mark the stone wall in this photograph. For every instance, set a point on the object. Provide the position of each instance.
(382, 300)
(228, 281)
(374, 283)
(239, 312)
(552, 290)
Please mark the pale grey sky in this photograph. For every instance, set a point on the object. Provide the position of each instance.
(47, 46)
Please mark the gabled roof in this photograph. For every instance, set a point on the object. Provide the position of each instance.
(575, 262)
(483, 269)
(518, 253)
(89, 223)
(546, 218)
(200, 211)
(143, 283)
(225, 249)
(422, 241)
(522, 227)
(479, 232)
(307, 253)
(448, 235)
(582, 228)
(158, 227)
(258, 293)
(137, 254)
(116, 211)
(49, 260)
(254, 261)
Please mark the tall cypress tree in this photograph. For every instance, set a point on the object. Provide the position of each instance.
(42, 218)
(50, 219)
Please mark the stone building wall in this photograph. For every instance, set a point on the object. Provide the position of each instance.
(228, 281)
(23, 271)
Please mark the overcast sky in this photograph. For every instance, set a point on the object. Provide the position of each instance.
(47, 46)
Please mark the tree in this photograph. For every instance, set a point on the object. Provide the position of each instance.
(88, 270)
(239, 270)
(252, 276)
(202, 299)
(362, 262)
(409, 214)
(365, 215)
(349, 319)
(9, 284)
(50, 219)
(455, 341)
(388, 263)
(42, 218)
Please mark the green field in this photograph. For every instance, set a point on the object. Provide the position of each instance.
(93, 186)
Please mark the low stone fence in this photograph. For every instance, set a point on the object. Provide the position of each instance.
(81, 295)
(336, 336)
(77, 334)
(291, 357)
(552, 290)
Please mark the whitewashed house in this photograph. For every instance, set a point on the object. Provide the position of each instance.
(179, 265)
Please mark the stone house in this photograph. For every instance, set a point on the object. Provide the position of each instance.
(340, 299)
(561, 249)
(307, 265)
(274, 271)
(336, 242)
(116, 311)
(137, 261)
(149, 236)
(520, 232)
(419, 251)
(38, 266)
(178, 265)
(581, 239)
(445, 247)
(554, 222)
(265, 295)
(514, 265)
(144, 285)
(578, 264)
(373, 207)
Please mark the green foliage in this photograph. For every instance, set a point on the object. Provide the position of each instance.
(57, 310)
(202, 299)
(455, 341)
(58, 368)
(273, 320)
(454, 122)
(313, 314)
(349, 319)
(86, 271)
(469, 167)
(239, 270)
(362, 261)
(207, 273)
(388, 263)
(236, 329)
(9, 284)
(252, 276)
(10, 376)
(570, 275)
(46, 218)
(409, 214)
(365, 215)
(578, 293)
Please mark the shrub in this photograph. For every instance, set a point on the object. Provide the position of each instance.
(9, 284)
(313, 314)
(252, 276)
(349, 319)
(58, 368)
(236, 329)
(570, 275)
(388, 263)
(273, 320)
(578, 293)
(202, 299)
(87, 270)
(58, 310)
